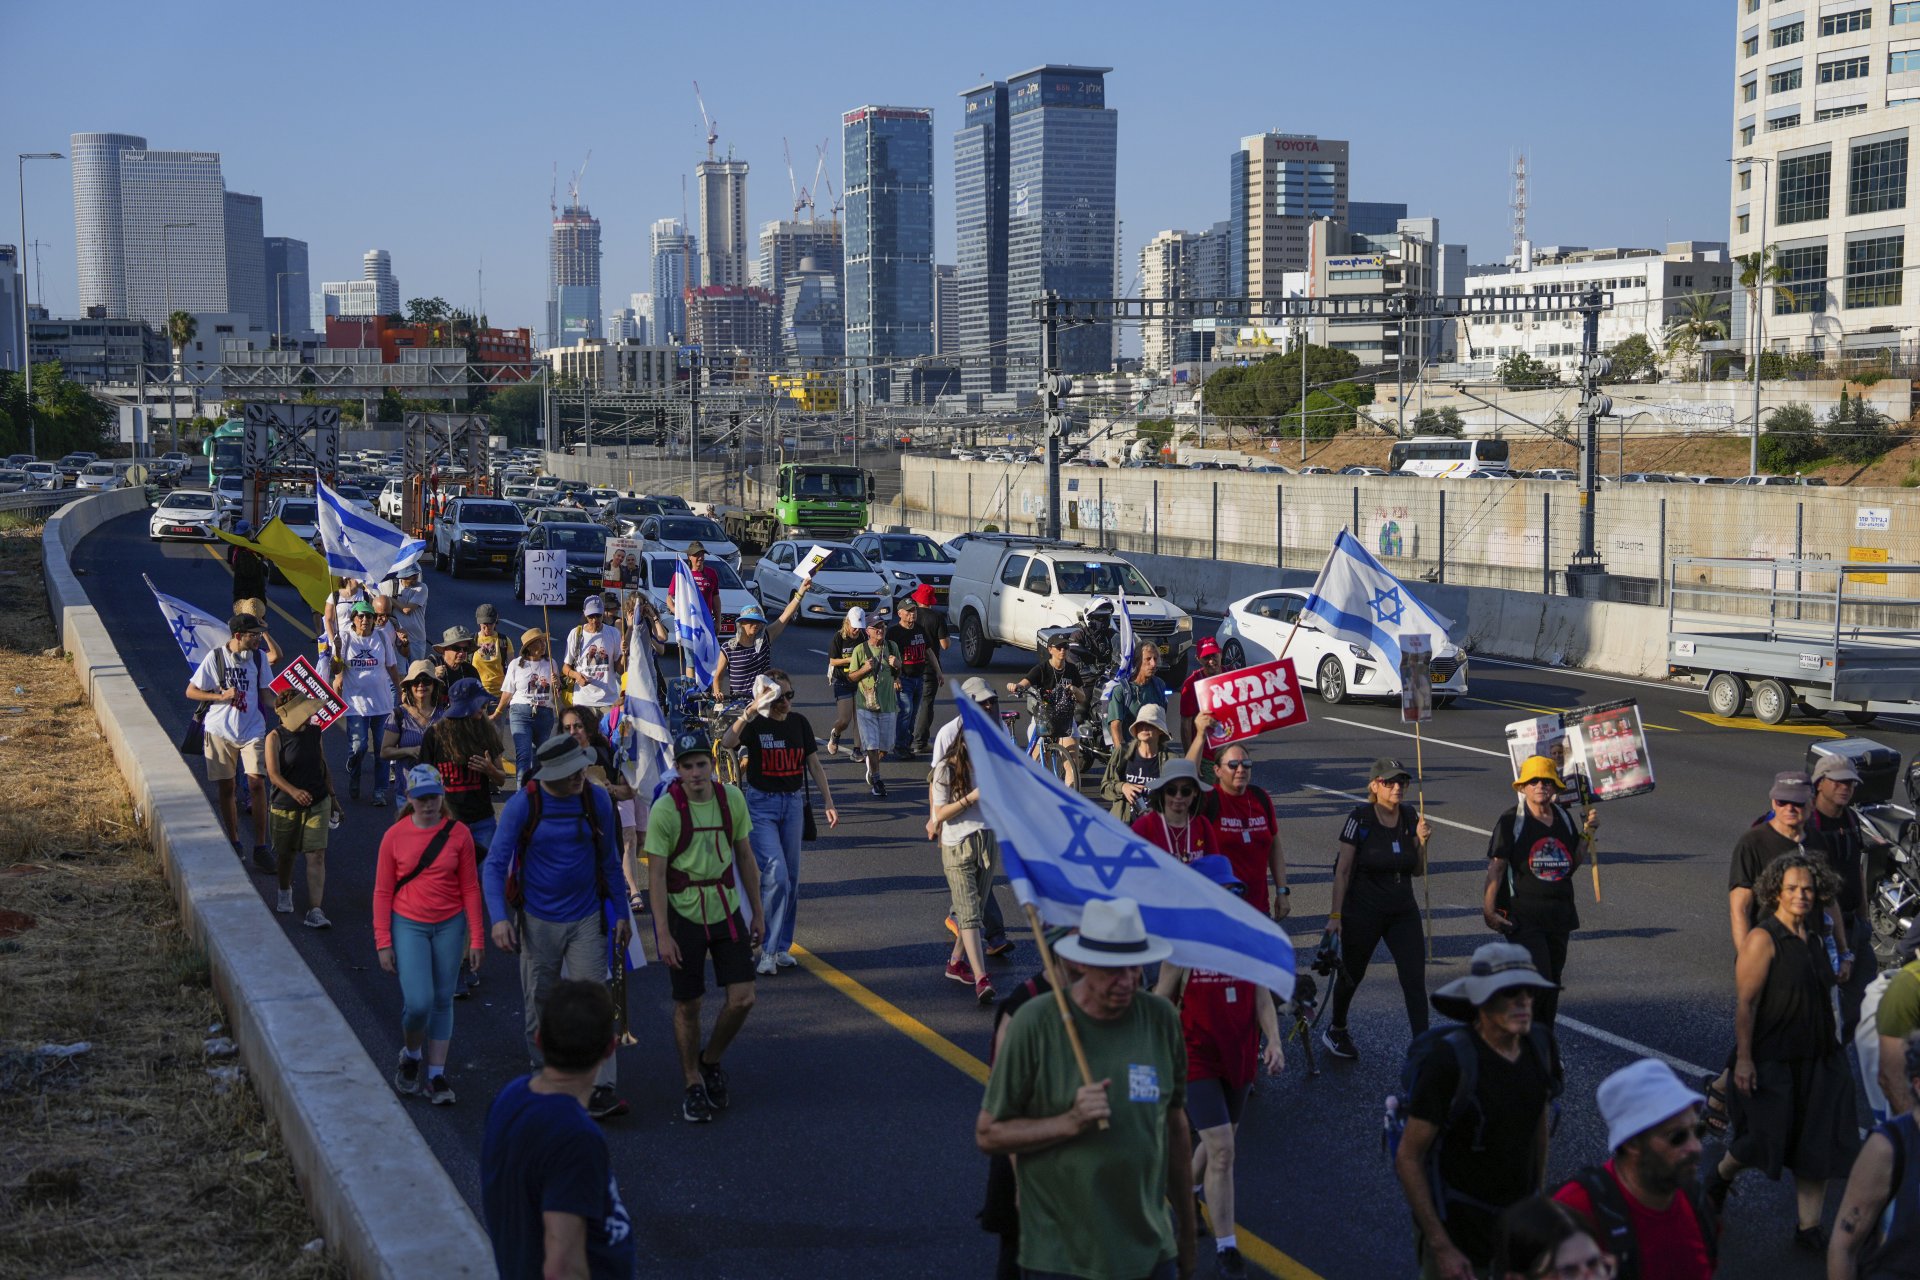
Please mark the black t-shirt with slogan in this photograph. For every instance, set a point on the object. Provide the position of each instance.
(913, 643)
(777, 752)
(1540, 868)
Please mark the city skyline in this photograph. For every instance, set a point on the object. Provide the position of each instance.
(1642, 172)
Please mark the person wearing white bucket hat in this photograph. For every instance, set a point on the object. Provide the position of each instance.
(1113, 1201)
(1646, 1202)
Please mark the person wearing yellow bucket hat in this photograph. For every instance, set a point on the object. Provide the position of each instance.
(1531, 857)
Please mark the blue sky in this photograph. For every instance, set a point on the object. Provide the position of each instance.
(433, 130)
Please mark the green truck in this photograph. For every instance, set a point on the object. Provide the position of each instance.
(819, 498)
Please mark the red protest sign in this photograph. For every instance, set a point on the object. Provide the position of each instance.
(302, 679)
(1251, 701)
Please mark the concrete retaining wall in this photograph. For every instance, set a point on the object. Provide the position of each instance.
(385, 1205)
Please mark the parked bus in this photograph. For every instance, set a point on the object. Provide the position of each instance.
(1446, 456)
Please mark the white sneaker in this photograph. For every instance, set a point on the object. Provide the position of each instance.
(785, 960)
(284, 904)
(317, 919)
(768, 966)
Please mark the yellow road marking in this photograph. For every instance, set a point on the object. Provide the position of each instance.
(1252, 1247)
(1748, 722)
(298, 625)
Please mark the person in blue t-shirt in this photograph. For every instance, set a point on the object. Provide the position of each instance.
(547, 1190)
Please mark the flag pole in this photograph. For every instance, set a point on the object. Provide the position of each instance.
(1057, 978)
(1426, 867)
(1292, 631)
(1586, 815)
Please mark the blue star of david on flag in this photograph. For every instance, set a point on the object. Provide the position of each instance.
(1386, 606)
(1109, 866)
(1358, 601)
(197, 633)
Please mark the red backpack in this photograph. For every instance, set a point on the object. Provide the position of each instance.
(679, 881)
(516, 892)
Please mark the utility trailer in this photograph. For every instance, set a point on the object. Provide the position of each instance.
(1817, 635)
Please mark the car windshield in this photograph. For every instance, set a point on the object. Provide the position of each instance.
(231, 484)
(845, 560)
(189, 501)
(576, 538)
(299, 513)
(490, 513)
(919, 550)
(660, 571)
(688, 528)
(100, 469)
(832, 484)
(1099, 578)
(635, 507)
(352, 493)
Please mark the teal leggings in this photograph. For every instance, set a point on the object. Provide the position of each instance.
(428, 957)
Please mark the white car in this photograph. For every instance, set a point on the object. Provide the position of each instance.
(594, 499)
(909, 559)
(389, 507)
(231, 489)
(187, 513)
(45, 474)
(734, 595)
(102, 475)
(299, 513)
(845, 580)
(672, 533)
(355, 497)
(1256, 628)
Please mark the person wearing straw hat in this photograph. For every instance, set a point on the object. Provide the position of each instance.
(367, 673)
(1531, 857)
(526, 698)
(1480, 1096)
(302, 803)
(1102, 1157)
(421, 698)
(1383, 846)
(1131, 773)
(1646, 1201)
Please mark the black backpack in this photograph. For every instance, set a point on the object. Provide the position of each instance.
(1614, 1221)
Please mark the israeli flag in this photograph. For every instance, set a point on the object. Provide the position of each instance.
(641, 716)
(693, 624)
(359, 545)
(197, 633)
(1358, 601)
(1061, 851)
(1123, 645)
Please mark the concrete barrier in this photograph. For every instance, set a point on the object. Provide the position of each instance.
(385, 1205)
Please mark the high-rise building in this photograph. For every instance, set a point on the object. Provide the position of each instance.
(1167, 264)
(784, 244)
(813, 320)
(350, 299)
(888, 153)
(626, 325)
(676, 268)
(287, 279)
(96, 218)
(249, 291)
(173, 233)
(1278, 184)
(723, 222)
(1062, 144)
(1823, 106)
(1213, 262)
(376, 267)
(1374, 217)
(574, 309)
(12, 341)
(980, 219)
(946, 310)
(642, 304)
(736, 329)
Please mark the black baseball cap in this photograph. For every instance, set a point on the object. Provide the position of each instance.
(1387, 769)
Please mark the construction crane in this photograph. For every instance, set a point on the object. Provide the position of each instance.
(802, 199)
(834, 203)
(713, 129)
(819, 171)
(573, 184)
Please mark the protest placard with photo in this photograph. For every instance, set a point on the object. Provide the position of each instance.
(302, 679)
(621, 569)
(1600, 751)
(1416, 678)
(1251, 701)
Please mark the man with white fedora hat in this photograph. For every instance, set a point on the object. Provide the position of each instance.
(1480, 1095)
(1646, 1201)
(1104, 1168)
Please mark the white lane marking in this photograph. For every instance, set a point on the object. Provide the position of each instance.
(821, 652)
(1670, 686)
(1401, 733)
(1689, 1072)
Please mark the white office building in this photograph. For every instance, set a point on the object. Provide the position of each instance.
(1825, 95)
(1651, 289)
(615, 366)
(376, 267)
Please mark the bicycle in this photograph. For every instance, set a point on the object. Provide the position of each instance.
(1041, 745)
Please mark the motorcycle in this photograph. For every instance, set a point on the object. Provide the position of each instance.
(1092, 647)
(1893, 866)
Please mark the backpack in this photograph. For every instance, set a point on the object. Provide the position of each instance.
(1503, 897)
(679, 881)
(1210, 809)
(1614, 1221)
(516, 892)
(1457, 1040)
(1866, 1037)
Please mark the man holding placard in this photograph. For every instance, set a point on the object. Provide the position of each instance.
(1531, 858)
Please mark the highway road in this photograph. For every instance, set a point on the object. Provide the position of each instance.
(848, 1148)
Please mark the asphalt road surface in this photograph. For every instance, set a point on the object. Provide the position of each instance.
(848, 1149)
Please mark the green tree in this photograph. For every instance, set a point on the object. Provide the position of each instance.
(1520, 371)
(1854, 432)
(1633, 360)
(1270, 387)
(1439, 422)
(515, 411)
(1757, 271)
(1158, 430)
(64, 415)
(1702, 319)
(428, 310)
(1789, 440)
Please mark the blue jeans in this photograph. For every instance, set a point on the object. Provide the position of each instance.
(530, 726)
(910, 689)
(777, 820)
(363, 735)
(428, 957)
(482, 832)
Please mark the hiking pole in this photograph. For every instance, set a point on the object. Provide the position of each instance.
(1420, 795)
(1057, 978)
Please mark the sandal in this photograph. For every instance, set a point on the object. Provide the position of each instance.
(1715, 1113)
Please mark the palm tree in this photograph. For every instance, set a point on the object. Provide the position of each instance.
(1758, 270)
(1702, 319)
(181, 327)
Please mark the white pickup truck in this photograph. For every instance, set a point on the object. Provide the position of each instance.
(1006, 587)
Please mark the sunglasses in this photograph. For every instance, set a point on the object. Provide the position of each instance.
(1235, 764)
(1183, 791)
(1678, 1137)
(1794, 805)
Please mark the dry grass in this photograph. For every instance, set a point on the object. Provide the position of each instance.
(125, 1160)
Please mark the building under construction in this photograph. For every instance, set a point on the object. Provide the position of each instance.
(737, 331)
(573, 305)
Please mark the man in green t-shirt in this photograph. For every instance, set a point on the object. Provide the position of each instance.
(874, 668)
(1110, 1203)
(1898, 1017)
(701, 885)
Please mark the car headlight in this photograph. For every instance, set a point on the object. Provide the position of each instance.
(1357, 651)
(467, 536)
(904, 577)
(1184, 624)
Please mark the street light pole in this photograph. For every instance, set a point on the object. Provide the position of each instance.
(1759, 307)
(26, 345)
(179, 352)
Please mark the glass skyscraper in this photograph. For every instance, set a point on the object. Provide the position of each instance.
(980, 217)
(676, 268)
(96, 218)
(183, 267)
(287, 278)
(249, 288)
(575, 312)
(888, 153)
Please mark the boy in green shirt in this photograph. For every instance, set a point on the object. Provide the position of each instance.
(702, 884)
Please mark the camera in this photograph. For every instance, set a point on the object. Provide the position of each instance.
(1306, 992)
(1326, 961)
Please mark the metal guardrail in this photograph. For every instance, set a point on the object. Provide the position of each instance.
(38, 499)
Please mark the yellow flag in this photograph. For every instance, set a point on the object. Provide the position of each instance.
(304, 567)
